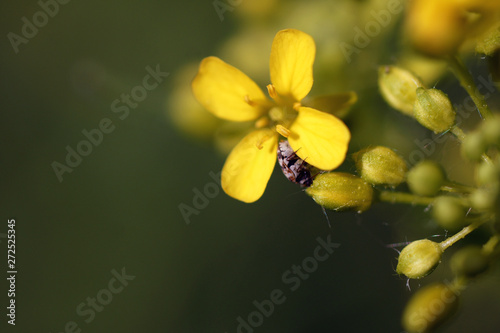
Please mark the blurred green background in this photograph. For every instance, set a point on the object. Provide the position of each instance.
(119, 208)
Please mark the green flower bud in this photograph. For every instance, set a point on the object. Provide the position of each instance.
(474, 145)
(489, 43)
(491, 130)
(433, 110)
(341, 191)
(469, 261)
(398, 87)
(419, 258)
(483, 198)
(380, 165)
(449, 212)
(429, 307)
(426, 178)
(487, 173)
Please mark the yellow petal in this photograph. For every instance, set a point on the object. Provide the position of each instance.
(319, 138)
(227, 92)
(291, 63)
(250, 165)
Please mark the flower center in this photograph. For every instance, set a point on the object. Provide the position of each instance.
(280, 115)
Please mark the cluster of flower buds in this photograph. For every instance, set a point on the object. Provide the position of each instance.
(455, 207)
(343, 191)
(406, 93)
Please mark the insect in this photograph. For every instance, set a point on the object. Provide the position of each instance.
(294, 168)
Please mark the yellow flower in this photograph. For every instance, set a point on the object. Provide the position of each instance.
(318, 137)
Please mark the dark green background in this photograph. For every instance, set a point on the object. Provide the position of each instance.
(120, 207)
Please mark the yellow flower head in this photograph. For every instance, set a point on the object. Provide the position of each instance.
(318, 137)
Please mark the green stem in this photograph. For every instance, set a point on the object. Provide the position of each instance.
(489, 247)
(458, 284)
(467, 82)
(461, 234)
(401, 197)
(457, 131)
(456, 188)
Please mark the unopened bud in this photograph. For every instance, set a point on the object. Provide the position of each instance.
(419, 258)
(489, 43)
(435, 28)
(426, 178)
(380, 166)
(491, 130)
(429, 307)
(433, 110)
(341, 191)
(449, 212)
(398, 87)
(484, 198)
(487, 174)
(474, 145)
(469, 261)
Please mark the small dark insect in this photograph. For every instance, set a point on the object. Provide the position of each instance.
(294, 168)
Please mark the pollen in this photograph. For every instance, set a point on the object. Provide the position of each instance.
(282, 130)
(272, 91)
